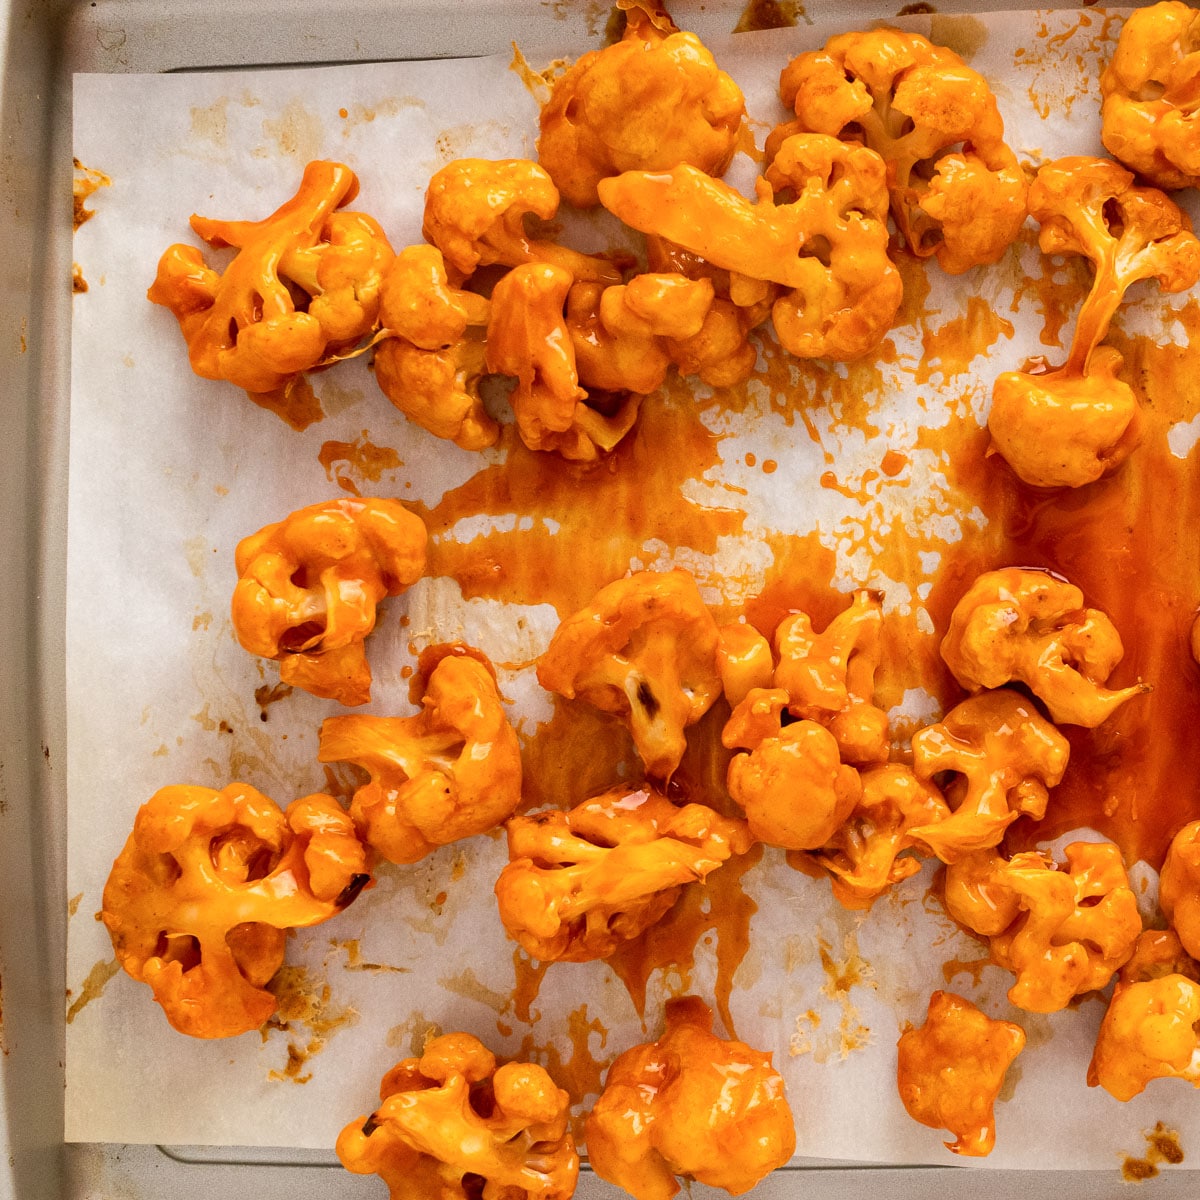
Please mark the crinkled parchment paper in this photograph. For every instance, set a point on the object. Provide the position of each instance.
(168, 471)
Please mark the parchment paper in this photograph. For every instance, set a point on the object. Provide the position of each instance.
(168, 471)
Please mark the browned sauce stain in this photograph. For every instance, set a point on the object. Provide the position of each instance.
(356, 962)
(1162, 1146)
(950, 347)
(87, 181)
(267, 694)
(973, 967)
(303, 1003)
(769, 14)
(528, 975)
(93, 987)
(78, 283)
(364, 462)
(73, 904)
(295, 403)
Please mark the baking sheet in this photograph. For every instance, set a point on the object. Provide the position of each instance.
(168, 471)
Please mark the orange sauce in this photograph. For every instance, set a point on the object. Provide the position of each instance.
(769, 14)
(581, 1073)
(294, 403)
(363, 461)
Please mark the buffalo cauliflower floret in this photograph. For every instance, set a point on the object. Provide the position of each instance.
(308, 587)
(1067, 427)
(1179, 887)
(649, 102)
(452, 1125)
(431, 365)
(199, 901)
(581, 882)
(956, 188)
(950, 1071)
(622, 335)
(644, 649)
(830, 676)
(1069, 930)
(1001, 757)
(1151, 91)
(1026, 626)
(863, 855)
(303, 286)
(792, 785)
(744, 660)
(1152, 1027)
(827, 244)
(691, 1105)
(528, 338)
(450, 772)
(475, 210)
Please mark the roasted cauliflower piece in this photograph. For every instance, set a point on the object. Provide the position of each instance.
(581, 882)
(830, 677)
(690, 1105)
(450, 772)
(452, 1125)
(1069, 929)
(1179, 887)
(1151, 92)
(308, 587)
(475, 210)
(644, 649)
(863, 854)
(792, 785)
(827, 245)
(1002, 757)
(950, 1071)
(199, 901)
(1030, 627)
(744, 660)
(649, 102)
(1152, 1027)
(622, 335)
(1068, 427)
(528, 338)
(431, 365)
(956, 188)
(303, 286)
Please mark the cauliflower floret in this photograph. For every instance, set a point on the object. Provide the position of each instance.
(303, 286)
(451, 1125)
(622, 334)
(1069, 426)
(1152, 1027)
(199, 901)
(956, 188)
(1030, 627)
(1151, 91)
(744, 660)
(863, 855)
(431, 365)
(950, 1071)
(649, 102)
(792, 785)
(1179, 887)
(690, 1104)
(1004, 757)
(1070, 929)
(308, 587)
(830, 677)
(475, 210)
(579, 883)
(528, 338)
(644, 649)
(827, 245)
(450, 772)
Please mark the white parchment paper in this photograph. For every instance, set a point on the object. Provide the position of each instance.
(168, 471)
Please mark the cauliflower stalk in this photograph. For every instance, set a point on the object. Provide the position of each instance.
(452, 1125)
(303, 287)
(308, 587)
(1069, 426)
(950, 1071)
(955, 187)
(199, 901)
(450, 772)
(579, 883)
(690, 1104)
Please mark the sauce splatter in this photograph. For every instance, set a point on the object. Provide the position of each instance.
(86, 183)
(364, 461)
(93, 987)
(769, 14)
(295, 403)
(1162, 1146)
